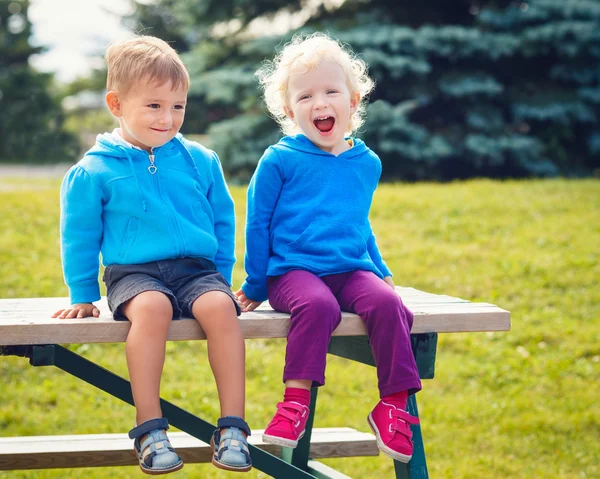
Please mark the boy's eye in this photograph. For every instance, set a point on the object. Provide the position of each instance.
(154, 105)
(179, 107)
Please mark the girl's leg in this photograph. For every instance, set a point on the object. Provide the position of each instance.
(216, 313)
(388, 324)
(315, 313)
(150, 314)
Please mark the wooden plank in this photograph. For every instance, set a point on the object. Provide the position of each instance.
(321, 471)
(97, 450)
(27, 321)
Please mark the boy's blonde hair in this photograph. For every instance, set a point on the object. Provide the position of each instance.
(144, 57)
(301, 55)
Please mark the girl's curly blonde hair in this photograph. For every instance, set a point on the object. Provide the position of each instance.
(301, 55)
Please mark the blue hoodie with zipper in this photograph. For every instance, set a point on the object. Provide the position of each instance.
(112, 204)
(308, 209)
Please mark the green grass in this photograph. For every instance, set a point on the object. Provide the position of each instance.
(520, 404)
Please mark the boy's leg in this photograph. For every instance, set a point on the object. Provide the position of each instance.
(150, 314)
(217, 314)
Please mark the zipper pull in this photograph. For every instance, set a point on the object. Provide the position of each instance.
(152, 168)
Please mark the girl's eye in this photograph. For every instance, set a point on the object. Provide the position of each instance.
(154, 106)
(304, 97)
(179, 107)
(331, 91)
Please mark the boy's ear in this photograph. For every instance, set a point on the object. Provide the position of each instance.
(113, 103)
(354, 101)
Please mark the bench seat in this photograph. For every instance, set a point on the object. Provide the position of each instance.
(101, 450)
(26, 321)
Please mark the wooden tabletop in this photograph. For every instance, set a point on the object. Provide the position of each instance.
(26, 321)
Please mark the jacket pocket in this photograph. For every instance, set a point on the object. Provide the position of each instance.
(131, 231)
(203, 215)
(324, 239)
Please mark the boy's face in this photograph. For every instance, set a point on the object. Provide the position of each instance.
(321, 104)
(149, 115)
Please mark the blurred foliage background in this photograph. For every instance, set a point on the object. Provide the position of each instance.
(464, 88)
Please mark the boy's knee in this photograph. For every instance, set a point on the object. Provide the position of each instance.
(150, 303)
(213, 302)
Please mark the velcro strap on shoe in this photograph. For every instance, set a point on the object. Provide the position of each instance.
(156, 423)
(402, 428)
(234, 421)
(291, 405)
(283, 410)
(403, 415)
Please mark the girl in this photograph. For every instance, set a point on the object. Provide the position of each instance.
(310, 247)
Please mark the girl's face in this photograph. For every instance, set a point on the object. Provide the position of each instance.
(321, 104)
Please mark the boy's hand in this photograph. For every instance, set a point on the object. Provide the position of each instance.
(82, 310)
(390, 282)
(246, 303)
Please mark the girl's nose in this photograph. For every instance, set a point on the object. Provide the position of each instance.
(320, 103)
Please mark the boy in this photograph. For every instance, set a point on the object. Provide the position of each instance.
(157, 208)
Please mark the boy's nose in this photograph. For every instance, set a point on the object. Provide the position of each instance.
(165, 118)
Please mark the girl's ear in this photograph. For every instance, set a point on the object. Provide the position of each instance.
(113, 103)
(354, 101)
(289, 112)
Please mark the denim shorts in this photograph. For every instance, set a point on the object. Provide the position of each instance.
(183, 280)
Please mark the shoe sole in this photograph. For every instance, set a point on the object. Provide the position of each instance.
(223, 466)
(158, 472)
(383, 448)
(280, 441)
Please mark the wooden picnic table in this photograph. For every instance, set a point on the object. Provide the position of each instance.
(26, 329)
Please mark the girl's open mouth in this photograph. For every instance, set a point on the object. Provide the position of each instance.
(324, 125)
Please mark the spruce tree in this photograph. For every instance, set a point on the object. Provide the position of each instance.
(31, 123)
(489, 88)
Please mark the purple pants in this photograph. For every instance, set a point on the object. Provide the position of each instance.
(316, 305)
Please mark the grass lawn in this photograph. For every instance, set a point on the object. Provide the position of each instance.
(518, 404)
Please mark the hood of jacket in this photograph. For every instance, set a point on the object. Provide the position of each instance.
(301, 143)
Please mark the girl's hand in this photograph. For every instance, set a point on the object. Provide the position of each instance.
(390, 282)
(82, 310)
(246, 303)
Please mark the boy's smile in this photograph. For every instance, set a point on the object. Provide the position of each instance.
(321, 105)
(149, 115)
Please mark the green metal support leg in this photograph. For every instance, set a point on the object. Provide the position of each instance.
(62, 358)
(357, 348)
(417, 467)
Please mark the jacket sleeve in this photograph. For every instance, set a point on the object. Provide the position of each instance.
(81, 203)
(224, 220)
(376, 256)
(263, 194)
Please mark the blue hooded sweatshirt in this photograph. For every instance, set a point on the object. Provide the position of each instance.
(112, 204)
(309, 210)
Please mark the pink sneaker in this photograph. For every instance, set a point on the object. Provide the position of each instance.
(391, 426)
(288, 425)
